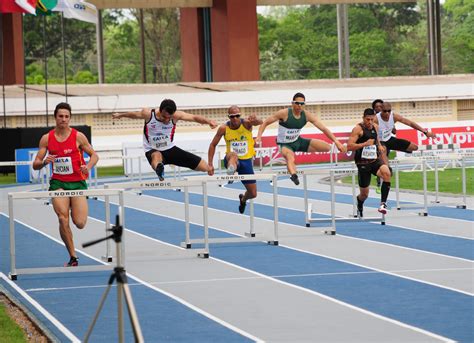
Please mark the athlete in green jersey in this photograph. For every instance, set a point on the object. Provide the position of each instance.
(290, 122)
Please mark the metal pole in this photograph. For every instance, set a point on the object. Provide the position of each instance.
(45, 68)
(205, 221)
(142, 45)
(12, 235)
(252, 231)
(24, 67)
(275, 207)
(186, 216)
(333, 202)
(3, 74)
(307, 215)
(436, 179)
(425, 189)
(354, 195)
(64, 56)
(100, 48)
(397, 184)
(464, 182)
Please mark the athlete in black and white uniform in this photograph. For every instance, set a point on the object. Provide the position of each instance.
(370, 159)
(158, 137)
(386, 120)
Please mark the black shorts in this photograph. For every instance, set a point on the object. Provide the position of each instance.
(176, 156)
(397, 144)
(366, 171)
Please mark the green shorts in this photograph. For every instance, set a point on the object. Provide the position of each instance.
(54, 185)
(301, 144)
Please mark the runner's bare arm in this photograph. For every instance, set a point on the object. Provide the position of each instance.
(87, 147)
(144, 113)
(412, 124)
(40, 161)
(180, 115)
(312, 118)
(212, 148)
(280, 115)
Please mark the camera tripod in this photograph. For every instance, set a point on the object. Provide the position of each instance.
(120, 276)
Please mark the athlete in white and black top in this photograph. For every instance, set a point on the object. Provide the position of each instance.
(158, 137)
(386, 120)
(370, 159)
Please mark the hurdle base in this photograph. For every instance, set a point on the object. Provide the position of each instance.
(249, 234)
(423, 214)
(331, 232)
(12, 277)
(107, 258)
(185, 245)
(272, 243)
(462, 207)
(203, 255)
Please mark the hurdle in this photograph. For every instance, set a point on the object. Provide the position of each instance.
(352, 170)
(156, 185)
(14, 271)
(43, 172)
(424, 166)
(248, 237)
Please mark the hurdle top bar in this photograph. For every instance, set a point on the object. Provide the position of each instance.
(225, 178)
(62, 193)
(153, 184)
(449, 146)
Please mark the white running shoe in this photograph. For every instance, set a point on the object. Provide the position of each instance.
(383, 208)
(231, 170)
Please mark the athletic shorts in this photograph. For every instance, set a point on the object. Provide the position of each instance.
(54, 185)
(176, 156)
(397, 144)
(366, 171)
(244, 167)
(301, 144)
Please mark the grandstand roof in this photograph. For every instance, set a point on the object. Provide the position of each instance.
(108, 98)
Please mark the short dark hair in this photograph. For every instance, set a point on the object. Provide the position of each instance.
(168, 105)
(62, 106)
(376, 101)
(298, 95)
(369, 112)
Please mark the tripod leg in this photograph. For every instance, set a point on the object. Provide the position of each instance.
(101, 304)
(137, 331)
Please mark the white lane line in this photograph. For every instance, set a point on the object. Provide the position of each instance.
(180, 300)
(287, 224)
(283, 276)
(41, 309)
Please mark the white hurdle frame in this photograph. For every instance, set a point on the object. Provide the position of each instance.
(333, 219)
(156, 185)
(43, 172)
(249, 237)
(426, 204)
(52, 194)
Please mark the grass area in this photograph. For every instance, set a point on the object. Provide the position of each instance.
(450, 181)
(10, 331)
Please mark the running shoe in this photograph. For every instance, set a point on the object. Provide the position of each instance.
(242, 204)
(231, 170)
(160, 171)
(295, 179)
(378, 190)
(383, 208)
(73, 262)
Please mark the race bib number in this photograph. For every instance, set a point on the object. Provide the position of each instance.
(62, 166)
(386, 135)
(160, 141)
(287, 135)
(240, 148)
(369, 152)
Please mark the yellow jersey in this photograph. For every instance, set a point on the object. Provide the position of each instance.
(239, 141)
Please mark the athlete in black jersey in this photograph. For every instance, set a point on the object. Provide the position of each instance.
(370, 158)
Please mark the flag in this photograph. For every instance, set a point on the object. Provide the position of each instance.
(77, 9)
(10, 6)
(27, 5)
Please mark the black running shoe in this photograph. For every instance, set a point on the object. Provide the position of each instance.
(360, 208)
(295, 179)
(160, 171)
(73, 262)
(242, 204)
